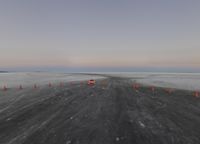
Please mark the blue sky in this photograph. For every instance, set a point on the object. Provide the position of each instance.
(100, 34)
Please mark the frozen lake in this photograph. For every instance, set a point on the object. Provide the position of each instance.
(41, 78)
(186, 81)
(174, 80)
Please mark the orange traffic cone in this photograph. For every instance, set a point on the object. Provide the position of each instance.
(136, 86)
(153, 89)
(35, 86)
(20, 87)
(5, 88)
(50, 85)
(196, 94)
(61, 84)
(169, 90)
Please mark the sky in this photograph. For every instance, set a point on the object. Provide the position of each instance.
(99, 34)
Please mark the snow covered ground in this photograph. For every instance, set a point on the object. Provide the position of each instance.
(40, 78)
(180, 81)
(187, 81)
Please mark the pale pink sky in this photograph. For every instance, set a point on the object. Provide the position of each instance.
(105, 33)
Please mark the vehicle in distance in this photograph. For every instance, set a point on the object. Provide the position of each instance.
(91, 82)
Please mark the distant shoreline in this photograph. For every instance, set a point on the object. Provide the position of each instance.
(4, 71)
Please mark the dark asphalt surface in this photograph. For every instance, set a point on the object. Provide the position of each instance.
(110, 112)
